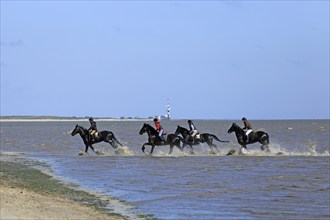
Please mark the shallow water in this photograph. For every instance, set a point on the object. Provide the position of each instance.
(291, 182)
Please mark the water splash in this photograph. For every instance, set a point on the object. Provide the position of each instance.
(278, 150)
(124, 151)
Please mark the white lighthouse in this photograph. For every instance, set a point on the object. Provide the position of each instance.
(166, 116)
(168, 109)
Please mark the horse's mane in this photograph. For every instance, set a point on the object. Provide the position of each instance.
(82, 127)
(183, 128)
(236, 125)
(151, 128)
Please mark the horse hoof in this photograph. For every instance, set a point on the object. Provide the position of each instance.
(82, 154)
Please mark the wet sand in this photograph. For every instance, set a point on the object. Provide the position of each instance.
(27, 193)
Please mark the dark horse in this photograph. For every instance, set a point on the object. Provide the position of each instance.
(204, 137)
(106, 136)
(154, 139)
(258, 136)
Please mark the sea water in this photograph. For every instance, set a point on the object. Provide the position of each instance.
(290, 182)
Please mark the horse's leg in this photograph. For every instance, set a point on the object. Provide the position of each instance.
(152, 148)
(215, 146)
(143, 146)
(212, 145)
(86, 148)
(191, 148)
(178, 146)
(171, 149)
(264, 147)
(93, 149)
(209, 141)
(242, 149)
(113, 144)
(118, 141)
(265, 143)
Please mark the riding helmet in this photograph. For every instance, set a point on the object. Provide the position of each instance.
(91, 119)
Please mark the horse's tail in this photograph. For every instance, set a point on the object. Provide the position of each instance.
(216, 138)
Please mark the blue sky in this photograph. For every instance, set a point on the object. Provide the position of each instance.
(211, 59)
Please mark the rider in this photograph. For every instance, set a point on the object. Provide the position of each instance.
(92, 129)
(159, 129)
(192, 129)
(247, 128)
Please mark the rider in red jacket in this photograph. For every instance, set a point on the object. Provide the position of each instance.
(159, 128)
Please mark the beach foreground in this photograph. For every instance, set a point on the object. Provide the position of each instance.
(19, 203)
(27, 193)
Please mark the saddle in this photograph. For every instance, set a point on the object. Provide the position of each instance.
(195, 139)
(164, 138)
(161, 139)
(248, 136)
(94, 137)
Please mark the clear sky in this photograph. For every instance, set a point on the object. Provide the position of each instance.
(211, 59)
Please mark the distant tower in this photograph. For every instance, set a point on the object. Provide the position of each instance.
(168, 109)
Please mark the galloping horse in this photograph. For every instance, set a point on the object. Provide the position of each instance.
(106, 136)
(154, 139)
(258, 136)
(204, 137)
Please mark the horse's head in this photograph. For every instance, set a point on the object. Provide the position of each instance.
(181, 130)
(178, 130)
(232, 128)
(77, 129)
(143, 129)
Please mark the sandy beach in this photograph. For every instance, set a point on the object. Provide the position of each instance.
(19, 203)
(26, 193)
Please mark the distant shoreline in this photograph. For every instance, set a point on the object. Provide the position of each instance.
(63, 119)
(66, 120)
(79, 119)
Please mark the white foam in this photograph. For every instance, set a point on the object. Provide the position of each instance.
(124, 151)
(278, 150)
